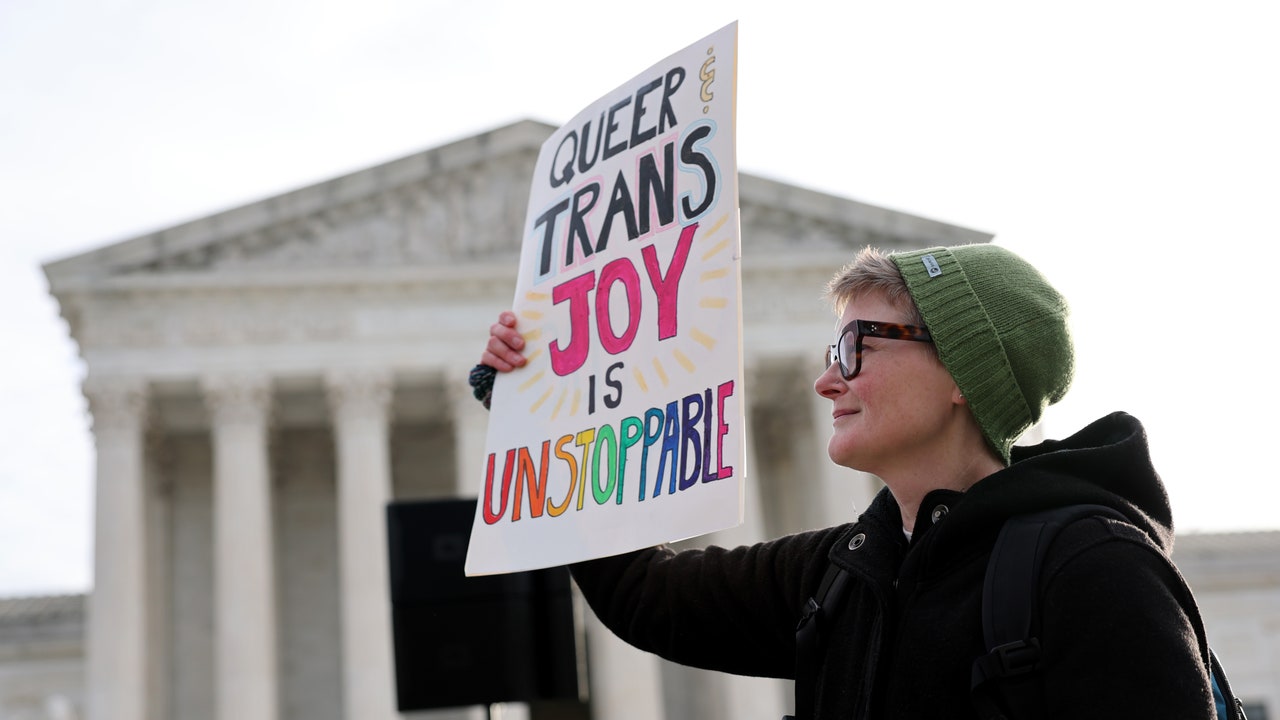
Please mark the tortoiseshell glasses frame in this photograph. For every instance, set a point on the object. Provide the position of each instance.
(850, 342)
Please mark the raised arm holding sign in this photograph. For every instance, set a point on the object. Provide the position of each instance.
(616, 423)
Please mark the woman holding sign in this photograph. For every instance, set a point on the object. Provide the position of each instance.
(942, 359)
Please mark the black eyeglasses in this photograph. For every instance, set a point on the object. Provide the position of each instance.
(850, 342)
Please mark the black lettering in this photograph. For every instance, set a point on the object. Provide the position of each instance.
(612, 401)
(690, 155)
(660, 186)
(619, 202)
(583, 164)
(667, 116)
(548, 218)
(567, 173)
(577, 227)
(611, 150)
(638, 136)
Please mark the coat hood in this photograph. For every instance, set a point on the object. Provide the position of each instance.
(1106, 463)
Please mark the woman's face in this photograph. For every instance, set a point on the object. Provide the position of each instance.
(893, 412)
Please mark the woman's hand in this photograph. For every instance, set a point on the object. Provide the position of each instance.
(504, 350)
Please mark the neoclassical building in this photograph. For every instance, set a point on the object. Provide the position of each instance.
(42, 658)
(263, 381)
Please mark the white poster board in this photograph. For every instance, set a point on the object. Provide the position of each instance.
(625, 428)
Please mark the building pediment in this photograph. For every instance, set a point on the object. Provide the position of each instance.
(455, 203)
(458, 204)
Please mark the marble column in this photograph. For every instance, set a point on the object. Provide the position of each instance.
(116, 638)
(246, 674)
(360, 403)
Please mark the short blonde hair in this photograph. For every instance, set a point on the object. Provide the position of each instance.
(872, 272)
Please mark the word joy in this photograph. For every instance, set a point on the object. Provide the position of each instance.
(577, 292)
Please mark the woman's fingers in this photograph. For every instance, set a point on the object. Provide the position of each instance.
(503, 351)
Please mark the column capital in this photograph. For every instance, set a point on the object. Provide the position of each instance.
(365, 392)
(116, 401)
(237, 398)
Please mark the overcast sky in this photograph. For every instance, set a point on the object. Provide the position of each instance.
(1128, 148)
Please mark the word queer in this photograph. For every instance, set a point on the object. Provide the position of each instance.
(687, 436)
(577, 292)
(576, 144)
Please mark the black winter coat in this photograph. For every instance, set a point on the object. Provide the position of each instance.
(1121, 635)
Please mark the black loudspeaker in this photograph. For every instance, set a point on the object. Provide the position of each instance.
(473, 641)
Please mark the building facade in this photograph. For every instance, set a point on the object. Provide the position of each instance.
(1236, 580)
(263, 381)
(42, 658)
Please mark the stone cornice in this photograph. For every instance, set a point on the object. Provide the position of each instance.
(293, 278)
(501, 275)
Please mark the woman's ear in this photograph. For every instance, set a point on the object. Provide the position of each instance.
(957, 397)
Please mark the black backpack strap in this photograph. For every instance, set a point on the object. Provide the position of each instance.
(809, 638)
(1228, 705)
(1011, 612)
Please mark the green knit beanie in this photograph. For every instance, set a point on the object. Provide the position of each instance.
(1000, 330)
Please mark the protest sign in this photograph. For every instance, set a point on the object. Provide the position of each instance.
(625, 428)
